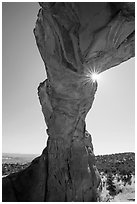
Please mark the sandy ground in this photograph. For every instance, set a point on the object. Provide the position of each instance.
(128, 194)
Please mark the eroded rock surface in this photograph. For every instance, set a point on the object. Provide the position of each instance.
(70, 166)
(74, 40)
(27, 185)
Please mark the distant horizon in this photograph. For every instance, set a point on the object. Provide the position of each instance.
(41, 153)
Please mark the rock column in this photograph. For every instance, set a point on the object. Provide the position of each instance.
(71, 174)
(68, 93)
(66, 97)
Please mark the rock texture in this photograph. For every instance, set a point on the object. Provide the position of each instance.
(28, 185)
(74, 40)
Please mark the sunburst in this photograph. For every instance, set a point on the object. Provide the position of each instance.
(91, 75)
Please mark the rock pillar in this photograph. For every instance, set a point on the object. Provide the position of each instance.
(68, 93)
(71, 174)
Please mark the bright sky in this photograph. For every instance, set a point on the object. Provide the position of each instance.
(111, 121)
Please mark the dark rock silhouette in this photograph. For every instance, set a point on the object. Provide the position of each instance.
(74, 40)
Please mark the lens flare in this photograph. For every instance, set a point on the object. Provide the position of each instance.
(94, 76)
(90, 76)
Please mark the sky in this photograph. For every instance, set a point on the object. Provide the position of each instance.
(111, 121)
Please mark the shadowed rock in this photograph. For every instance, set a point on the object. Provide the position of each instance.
(74, 39)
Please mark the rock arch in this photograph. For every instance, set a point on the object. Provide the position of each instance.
(72, 38)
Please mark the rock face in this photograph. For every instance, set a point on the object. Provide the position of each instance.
(74, 40)
(27, 185)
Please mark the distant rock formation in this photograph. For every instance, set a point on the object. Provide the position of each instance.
(74, 40)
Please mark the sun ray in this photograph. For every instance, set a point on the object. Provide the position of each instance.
(90, 76)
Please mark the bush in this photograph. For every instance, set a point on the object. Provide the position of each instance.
(111, 186)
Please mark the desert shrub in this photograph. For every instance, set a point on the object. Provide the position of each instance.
(122, 163)
(118, 179)
(12, 168)
(111, 186)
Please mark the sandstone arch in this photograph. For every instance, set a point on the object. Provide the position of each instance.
(72, 38)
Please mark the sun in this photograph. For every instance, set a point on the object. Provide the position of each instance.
(94, 76)
(91, 75)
